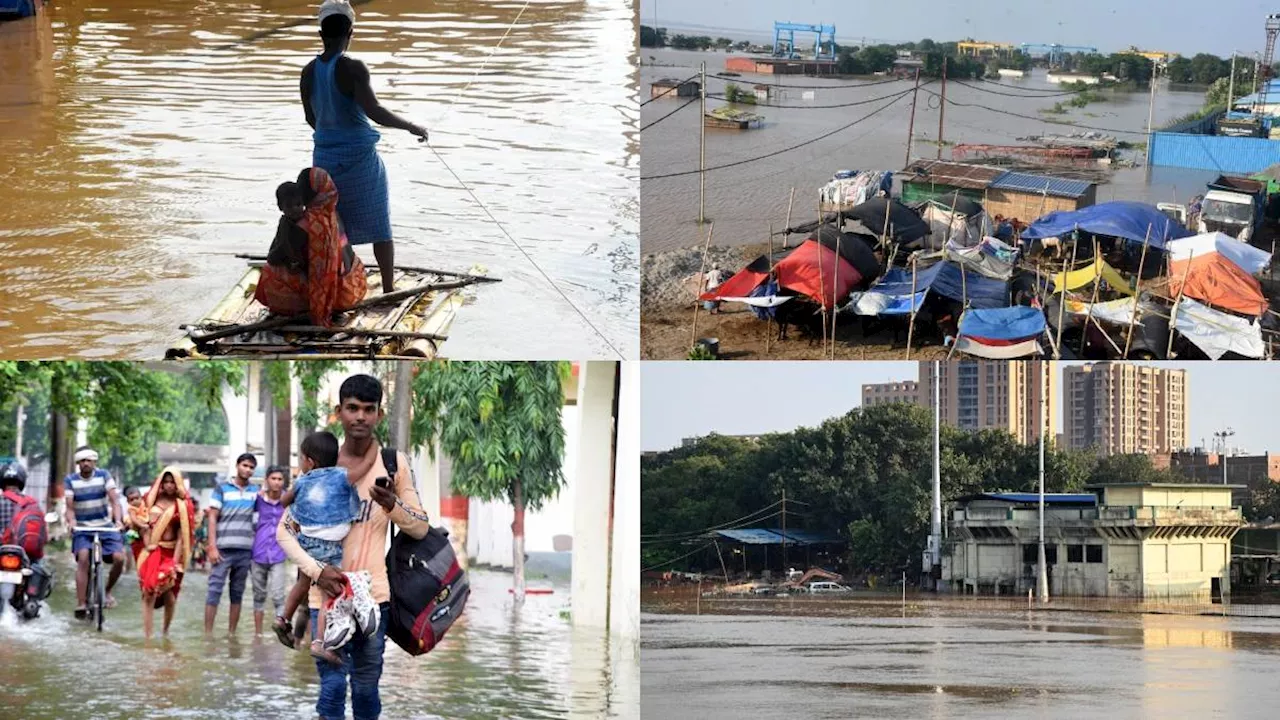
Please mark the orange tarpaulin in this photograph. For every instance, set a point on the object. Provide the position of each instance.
(1217, 271)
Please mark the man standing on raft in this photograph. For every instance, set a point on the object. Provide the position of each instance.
(339, 103)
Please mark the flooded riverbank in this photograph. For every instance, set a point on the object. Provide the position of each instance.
(495, 662)
(141, 143)
(876, 660)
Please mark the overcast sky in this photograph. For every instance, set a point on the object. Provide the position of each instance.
(1172, 26)
(689, 399)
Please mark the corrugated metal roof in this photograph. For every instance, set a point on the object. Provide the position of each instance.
(961, 175)
(1049, 498)
(752, 536)
(1057, 187)
(804, 537)
(1214, 152)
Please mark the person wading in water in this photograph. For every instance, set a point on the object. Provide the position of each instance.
(339, 103)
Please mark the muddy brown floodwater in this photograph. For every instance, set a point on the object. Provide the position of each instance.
(495, 662)
(814, 659)
(141, 142)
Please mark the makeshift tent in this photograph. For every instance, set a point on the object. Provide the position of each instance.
(955, 226)
(850, 188)
(1217, 333)
(1086, 275)
(809, 269)
(892, 295)
(990, 257)
(1001, 333)
(1218, 270)
(1128, 220)
(856, 249)
(904, 224)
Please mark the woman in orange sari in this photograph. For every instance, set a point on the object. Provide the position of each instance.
(328, 277)
(170, 531)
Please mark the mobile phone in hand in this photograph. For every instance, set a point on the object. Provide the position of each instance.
(383, 482)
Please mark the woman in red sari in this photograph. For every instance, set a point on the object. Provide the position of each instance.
(328, 276)
(168, 536)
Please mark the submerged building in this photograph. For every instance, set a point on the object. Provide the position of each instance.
(1126, 540)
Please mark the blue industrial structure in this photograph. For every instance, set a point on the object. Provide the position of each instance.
(1054, 51)
(1234, 155)
(826, 36)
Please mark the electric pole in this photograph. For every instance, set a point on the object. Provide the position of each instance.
(1044, 571)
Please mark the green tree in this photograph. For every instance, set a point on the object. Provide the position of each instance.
(652, 37)
(500, 423)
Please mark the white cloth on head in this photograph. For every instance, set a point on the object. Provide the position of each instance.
(337, 7)
(86, 454)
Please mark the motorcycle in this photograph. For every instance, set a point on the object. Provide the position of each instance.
(23, 584)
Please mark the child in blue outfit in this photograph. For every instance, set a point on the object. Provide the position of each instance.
(323, 504)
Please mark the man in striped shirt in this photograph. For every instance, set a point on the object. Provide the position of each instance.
(92, 502)
(231, 531)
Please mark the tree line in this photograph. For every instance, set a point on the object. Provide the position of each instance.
(865, 476)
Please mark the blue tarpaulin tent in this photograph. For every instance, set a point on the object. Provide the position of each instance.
(1009, 324)
(979, 291)
(1128, 220)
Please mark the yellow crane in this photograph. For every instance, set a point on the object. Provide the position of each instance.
(978, 48)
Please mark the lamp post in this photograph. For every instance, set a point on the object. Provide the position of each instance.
(1221, 437)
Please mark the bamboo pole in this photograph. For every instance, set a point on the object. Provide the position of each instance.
(884, 234)
(821, 281)
(1173, 316)
(769, 315)
(835, 301)
(283, 320)
(1097, 285)
(955, 198)
(1062, 302)
(786, 231)
(702, 279)
(256, 260)
(1137, 294)
(911, 125)
(911, 325)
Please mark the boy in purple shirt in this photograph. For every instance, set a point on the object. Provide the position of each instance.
(268, 557)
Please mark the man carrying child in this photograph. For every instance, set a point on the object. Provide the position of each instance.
(364, 548)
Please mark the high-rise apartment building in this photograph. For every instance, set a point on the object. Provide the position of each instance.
(1121, 408)
(981, 394)
(904, 391)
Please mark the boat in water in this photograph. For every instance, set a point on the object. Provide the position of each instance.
(411, 322)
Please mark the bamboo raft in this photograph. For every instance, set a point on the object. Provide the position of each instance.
(409, 323)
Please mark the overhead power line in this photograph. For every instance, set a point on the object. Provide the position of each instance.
(949, 101)
(1056, 93)
(868, 101)
(669, 90)
(717, 527)
(788, 149)
(673, 112)
(814, 87)
(673, 562)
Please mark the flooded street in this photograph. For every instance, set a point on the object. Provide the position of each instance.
(874, 660)
(141, 143)
(493, 663)
(745, 199)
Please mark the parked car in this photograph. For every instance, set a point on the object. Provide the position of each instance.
(828, 587)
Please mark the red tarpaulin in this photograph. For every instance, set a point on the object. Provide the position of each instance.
(810, 269)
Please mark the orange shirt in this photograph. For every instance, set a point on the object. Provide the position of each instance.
(365, 547)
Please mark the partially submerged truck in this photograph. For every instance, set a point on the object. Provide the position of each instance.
(1233, 206)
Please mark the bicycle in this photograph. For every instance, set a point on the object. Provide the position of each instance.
(95, 592)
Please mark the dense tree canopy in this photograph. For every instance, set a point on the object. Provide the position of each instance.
(866, 476)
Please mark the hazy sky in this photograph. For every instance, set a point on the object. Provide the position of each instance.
(1173, 26)
(688, 399)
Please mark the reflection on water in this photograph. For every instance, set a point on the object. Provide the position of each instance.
(141, 142)
(743, 200)
(873, 660)
(494, 663)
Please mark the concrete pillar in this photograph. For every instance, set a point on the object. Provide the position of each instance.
(591, 507)
(624, 603)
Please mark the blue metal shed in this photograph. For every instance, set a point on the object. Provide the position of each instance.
(1038, 184)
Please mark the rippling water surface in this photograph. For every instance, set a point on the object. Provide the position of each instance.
(141, 142)
(495, 662)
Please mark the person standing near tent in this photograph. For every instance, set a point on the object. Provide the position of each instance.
(713, 279)
(339, 103)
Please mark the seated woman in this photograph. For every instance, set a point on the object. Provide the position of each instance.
(311, 267)
(167, 546)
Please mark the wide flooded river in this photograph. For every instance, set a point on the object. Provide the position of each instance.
(141, 142)
(495, 662)
(876, 661)
(743, 200)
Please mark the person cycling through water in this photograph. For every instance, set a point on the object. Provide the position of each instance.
(92, 502)
(339, 103)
